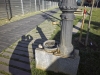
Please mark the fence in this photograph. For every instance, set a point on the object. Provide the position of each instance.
(10, 8)
(2, 9)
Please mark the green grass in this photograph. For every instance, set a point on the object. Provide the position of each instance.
(77, 19)
(94, 33)
(90, 55)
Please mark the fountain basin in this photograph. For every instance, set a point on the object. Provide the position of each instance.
(50, 46)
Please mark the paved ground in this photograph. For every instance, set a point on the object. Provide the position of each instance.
(11, 32)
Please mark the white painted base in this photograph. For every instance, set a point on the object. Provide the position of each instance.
(49, 62)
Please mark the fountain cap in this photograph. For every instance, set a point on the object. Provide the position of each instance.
(67, 5)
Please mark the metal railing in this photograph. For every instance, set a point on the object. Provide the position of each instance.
(10, 8)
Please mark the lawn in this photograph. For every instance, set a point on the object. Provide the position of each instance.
(90, 55)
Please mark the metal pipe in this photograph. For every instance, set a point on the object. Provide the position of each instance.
(68, 7)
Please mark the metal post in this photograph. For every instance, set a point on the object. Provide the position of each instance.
(50, 5)
(30, 6)
(67, 7)
(53, 2)
(35, 6)
(39, 6)
(22, 7)
(6, 9)
(42, 4)
(10, 10)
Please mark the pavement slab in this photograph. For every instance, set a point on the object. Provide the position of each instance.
(15, 63)
(16, 57)
(19, 52)
(13, 71)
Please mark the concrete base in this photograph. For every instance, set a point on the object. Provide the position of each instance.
(49, 62)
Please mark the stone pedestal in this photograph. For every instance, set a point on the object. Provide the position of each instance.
(49, 62)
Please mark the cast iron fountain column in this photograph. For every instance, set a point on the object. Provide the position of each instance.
(68, 7)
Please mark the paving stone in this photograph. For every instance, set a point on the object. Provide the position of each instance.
(16, 64)
(6, 40)
(20, 52)
(35, 36)
(13, 71)
(22, 48)
(4, 43)
(7, 54)
(17, 57)
(9, 35)
(28, 46)
(4, 68)
(23, 45)
(3, 30)
(1, 48)
(32, 42)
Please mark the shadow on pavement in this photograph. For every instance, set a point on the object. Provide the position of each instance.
(49, 17)
(38, 41)
(19, 63)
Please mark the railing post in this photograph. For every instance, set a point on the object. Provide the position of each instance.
(22, 7)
